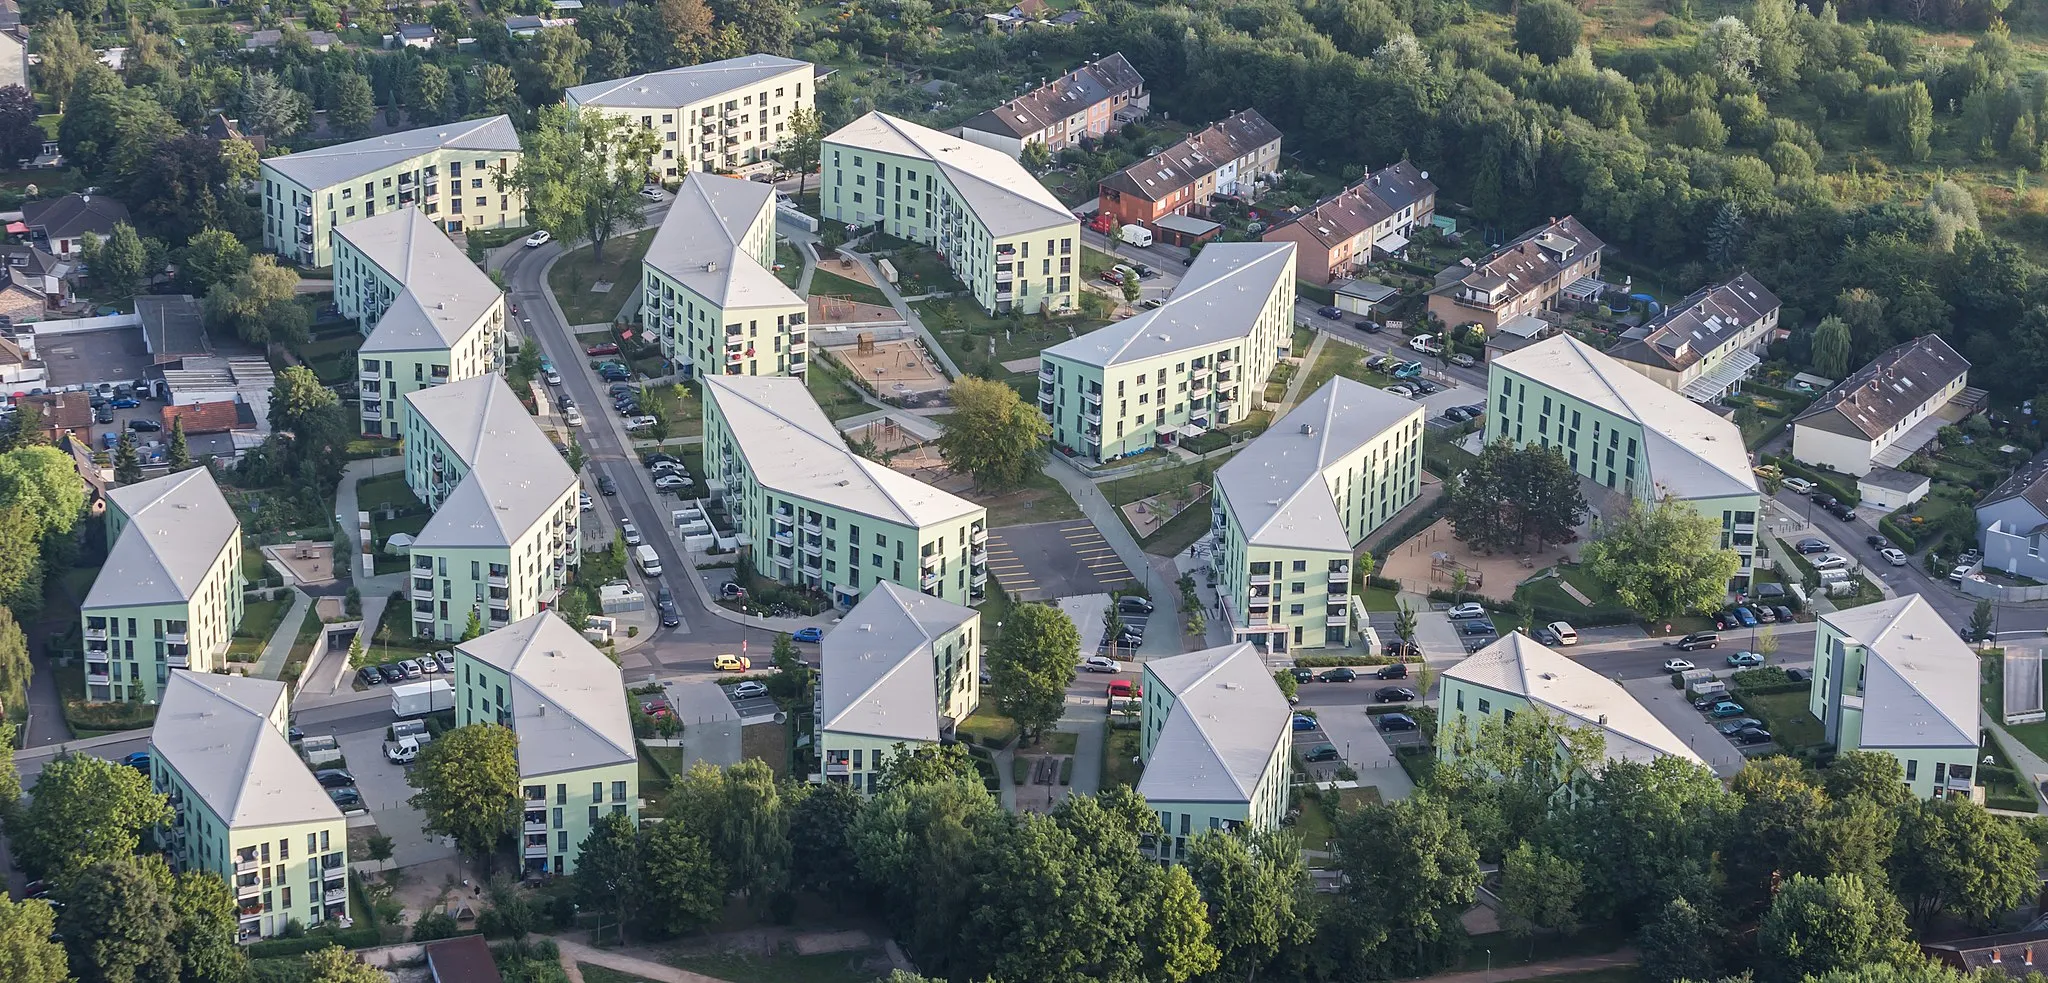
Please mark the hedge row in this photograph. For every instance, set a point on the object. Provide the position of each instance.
(360, 937)
(1333, 661)
(1315, 292)
(1765, 681)
(1834, 483)
(1416, 523)
(1899, 532)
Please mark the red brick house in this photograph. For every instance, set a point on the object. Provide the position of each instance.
(1224, 158)
(1339, 236)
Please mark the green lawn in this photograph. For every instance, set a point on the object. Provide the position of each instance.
(1188, 524)
(1119, 759)
(1337, 359)
(259, 619)
(1041, 499)
(576, 271)
(1547, 592)
(825, 283)
(1380, 599)
(834, 390)
(733, 967)
(964, 331)
(593, 973)
(987, 728)
(792, 264)
(1790, 723)
(683, 411)
(387, 489)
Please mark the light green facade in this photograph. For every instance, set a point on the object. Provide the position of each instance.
(1182, 821)
(733, 321)
(280, 874)
(810, 537)
(130, 649)
(457, 188)
(911, 197)
(1837, 701)
(858, 759)
(390, 375)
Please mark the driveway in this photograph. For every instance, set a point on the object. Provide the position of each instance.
(1672, 708)
(1351, 730)
(1439, 638)
(1047, 560)
(385, 792)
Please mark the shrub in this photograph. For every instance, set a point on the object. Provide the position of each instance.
(1764, 681)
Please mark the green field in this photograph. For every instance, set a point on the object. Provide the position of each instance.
(825, 283)
(574, 273)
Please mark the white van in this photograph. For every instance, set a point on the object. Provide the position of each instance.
(650, 564)
(1425, 343)
(1834, 576)
(1136, 235)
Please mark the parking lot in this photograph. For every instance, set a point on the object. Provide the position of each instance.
(385, 794)
(1699, 732)
(750, 707)
(1048, 560)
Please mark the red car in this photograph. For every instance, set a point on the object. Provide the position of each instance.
(608, 348)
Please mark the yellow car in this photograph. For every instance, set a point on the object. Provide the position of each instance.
(732, 663)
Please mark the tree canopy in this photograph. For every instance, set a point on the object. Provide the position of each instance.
(992, 434)
(468, 781)
(1663, 560)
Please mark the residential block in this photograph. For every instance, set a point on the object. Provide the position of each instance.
(1894, 677)
(1082, 105)
(1517, 674)
(1341, 235)
(1704, 346)
(1623, 432)
(457, 174)
(244, 807)
(1197, 363)
(723, 116)
(1522, 277)
(1226, 158)
(503, 540)
(1217, 741)
(898, 672)
(170, 594)
(1852, 425)
(813, 513)
(1007, 239)
(713, 299)
(1290, 510)
(567, 703)
(429, 314)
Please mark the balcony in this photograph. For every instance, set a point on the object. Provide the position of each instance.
(1198, 391)
(250, 913)
(1092, 397)
(422, 590)
(1045, 376)
(95, 634)
(978, 580)
(535, 824)
(96, 656)
(178, 661)
(838, 768)
(433, 189)
(535, 802)
(1045, 403)
(335, 872)
(371, 373)
(1004, 252)
(1092, 417)
(1261, 579)
(1258, 620)
(783, 536)
(1198, 373)
(812, 525)
(335, 895)
(928, 583)
(499, 580)
(248, 887)
(813, 547)
(784, 559)
(1005, 276)
(978, 535)
(1340, 577)
(536, 851)
(930, 561)
(373, 411)
(246, 865)
(1337, 621)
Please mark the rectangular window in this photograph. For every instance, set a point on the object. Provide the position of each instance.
(1485, 706)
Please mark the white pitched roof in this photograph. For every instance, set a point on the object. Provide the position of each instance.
(515, 474)
(677, 87)
(1275, 486)
(791, 447)
(178, 525)
(219, 734)
(877, 668)
(443, 295)
(343, 162)
(1003, 195)
(1227, 718)
(1692, 453)
(702, 242)
(1517, 665)
(568, 700)
(1219, 301)
(1920, 680)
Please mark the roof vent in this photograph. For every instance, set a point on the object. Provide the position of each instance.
(867, 628)
(1308, 429)
(1603, 720)
(711, 266)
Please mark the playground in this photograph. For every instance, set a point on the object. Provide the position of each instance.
(1434, 558)
(893, 368)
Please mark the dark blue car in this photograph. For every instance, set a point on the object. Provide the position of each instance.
(138, 761)
(812, 634)
(1303, 721)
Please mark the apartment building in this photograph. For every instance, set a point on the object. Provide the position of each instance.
(1877, 408)
(170, 594)
(567, 703)
(1292, 507)
(812, 512)
(1622, 431)
(1217, 741)
(503, 540)
(980, 209)
(1894, 677)
(1516, 674)
(244, 807)
(455, 173)
(1705, 345)
(1223, 158)
(1083, 104)
(1522, 277)
(1342, 234)
(1196, 363)
(713, 299)
(725, 117)
(899, 672)
(430, 315)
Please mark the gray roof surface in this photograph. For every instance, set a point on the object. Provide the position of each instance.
(568, 699)
(172, 325)
(1692, 453)
(676, 87)
(1201, 153)
(1219, 301)
(1920, 680)
(791, 447)
(1001, 193)
(216, 732)
(1876, 397)
(178, 525)
(1275, 485)
(515, 474)
(1356, 209)
(701, 242)
(877, 668)
(1226, 721)
(2029, 482)
(443, 295)
(1538, 256)
(1060, 98)
(327, 166)
(1520, 666)
(74, 215)
(1701, 323)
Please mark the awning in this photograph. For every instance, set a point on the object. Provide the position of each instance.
(1192, 431)
(17, 228)
(1393, 243)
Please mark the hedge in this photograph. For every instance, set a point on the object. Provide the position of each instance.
(1333, 661)
(1315, 292)
(1834, 483)
(1898, 532)
(1765, 681)
(1415, 523)
(360, 937)
(1586, 617)
(1383, 583)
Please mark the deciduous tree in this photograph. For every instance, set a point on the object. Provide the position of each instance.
(1258, 894)
(739, 812)
(21, 137)
(799, 150)
(1539, 892)
(1955, 858)
(684, 883)
(582, 174)
(1031, 665)
(1512, 493)
(1663, 560)
(1831, 347)
(1680, 943)
(1548, 29)
(608, 870)
(468, 781)
(1409, 872)
(992, 435)
(257, 304)
(350, 107)
(1840, 922)
(819, 822)
(335, 964)
(118, 924)
(28, 953)
(85, 810)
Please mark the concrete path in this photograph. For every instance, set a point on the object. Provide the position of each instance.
(577, 952)
(1308, 359)
(2032, 768)
(1165, 596)
(271, 664)
(1532, 971)
(1089, 720)
(896, 300)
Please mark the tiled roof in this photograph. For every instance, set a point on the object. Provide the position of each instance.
(1074, 92)
(74, 215)
(1538, 257)
(1355, 210)
(1187, 161)
(1878, 396)
(1689, 330)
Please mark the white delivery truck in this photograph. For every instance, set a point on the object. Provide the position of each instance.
(650, 564)
(1135, 235)
(422, 698)
(403, 751)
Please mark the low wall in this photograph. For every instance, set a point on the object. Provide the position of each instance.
(846, 335)
(79, 325)
(1999, 593)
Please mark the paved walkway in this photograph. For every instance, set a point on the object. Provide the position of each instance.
(2032, 768)
(1308, 359)
(1555, 967)
(1165, 596)
(577, 952)
(916, 323)
(276, 651)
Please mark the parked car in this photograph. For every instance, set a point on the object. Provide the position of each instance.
(1875, 542)
(639, 422)
(1341, 674)
(1402, 391)
(1097, 663)
(391, 672)
(539, 239)
(1796, 675)
(1424, 387)
(1129, 636)
(1330, 312)
(1726, 708)
(369, 676)
(1475, 628)
(1767, 591)
(411, 669)
(1893, 556)
(1463, 360)
(652, 194)
(553, 378)
(1679, 665)
(653, 458)
(124, 402)
(1798, 486)
(1392, 670)
(347, 798)
(145, 426)
(606, 486)
(1811, 545)
(1381, 362)
(583, 502)
(1751, 735)
(1742, 614)
(811, 634)
(446, 659)
(1469, 609)
(1407, 370)
(631, 532)
(602, 348)
(1134, 604)
(1784, 614)
(1456, 414)
(103, 415)
(1303, 721)
(1566, 634)
(1393, 694)
(138, 760)
(732, 663)
(659, 468)
(1744, 723)
(1371, 327)
(334, 778)
(1842, 511)
(1544, 636)
(1124, 689)
(1745, 659)
(1397, 721)
(1321, 752)
(1831, 561)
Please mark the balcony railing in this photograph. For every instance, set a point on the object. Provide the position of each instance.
(499, 580)
(1337, 621)
(246, 864)
(178, 661)
(95, 634)
(929, 560)
(1261, 579)
(96, 656)
(978, 535)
